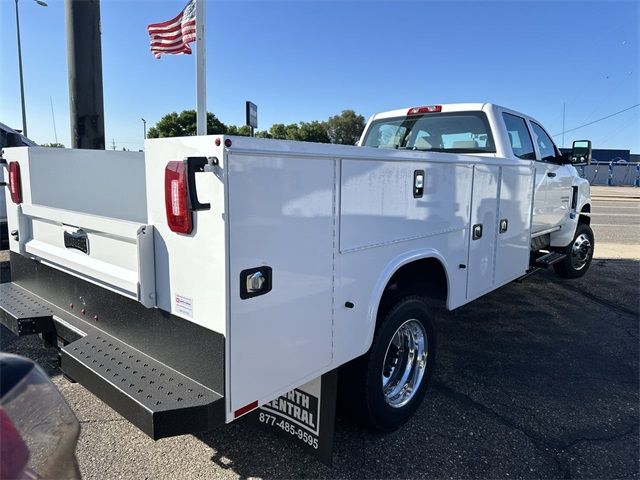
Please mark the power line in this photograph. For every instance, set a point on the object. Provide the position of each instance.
(598, 120)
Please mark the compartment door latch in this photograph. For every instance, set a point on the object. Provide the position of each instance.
(255, 282)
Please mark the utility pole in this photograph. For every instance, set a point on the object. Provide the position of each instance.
(53, 117)
(84, 57)
(564, 107)
(113, 143)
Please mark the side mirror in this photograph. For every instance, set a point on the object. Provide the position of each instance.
(580, 153)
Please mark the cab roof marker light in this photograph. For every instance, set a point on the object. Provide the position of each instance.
(425, 109)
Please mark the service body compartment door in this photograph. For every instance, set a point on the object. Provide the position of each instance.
(514, 223)
(281, 216)
(483, 229)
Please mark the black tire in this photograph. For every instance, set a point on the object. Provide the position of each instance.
(361, 380)
(573, 266)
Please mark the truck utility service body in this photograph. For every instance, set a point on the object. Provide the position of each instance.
(191, 283)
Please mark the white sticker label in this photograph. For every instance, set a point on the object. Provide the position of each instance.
(184, 306)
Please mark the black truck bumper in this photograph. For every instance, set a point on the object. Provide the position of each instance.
(162, 373)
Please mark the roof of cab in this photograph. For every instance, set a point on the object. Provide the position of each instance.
(446, 107)
(27, 141)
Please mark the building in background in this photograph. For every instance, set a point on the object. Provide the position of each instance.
(611, 167)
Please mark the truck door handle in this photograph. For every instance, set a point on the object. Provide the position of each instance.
(551, 174)
(418, 183)
(476, 231)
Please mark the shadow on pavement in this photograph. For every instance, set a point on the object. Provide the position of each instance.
(538, 379)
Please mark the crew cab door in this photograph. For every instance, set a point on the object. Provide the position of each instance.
(557, 179)
(521, 142)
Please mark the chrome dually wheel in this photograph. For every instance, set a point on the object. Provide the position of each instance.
(581, 251)
(404, 363)
(578, 254)
(385, 387)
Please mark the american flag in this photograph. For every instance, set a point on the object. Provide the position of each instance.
(173, 36)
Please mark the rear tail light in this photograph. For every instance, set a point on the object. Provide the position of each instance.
(176, 198)
(14, 182)
(426, 109)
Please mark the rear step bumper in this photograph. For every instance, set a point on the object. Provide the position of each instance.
(158, 400)
(162, 373)
(22, 312)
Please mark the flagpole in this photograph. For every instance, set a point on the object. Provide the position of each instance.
(201, 67)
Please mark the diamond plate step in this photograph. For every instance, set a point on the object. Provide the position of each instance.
(157, 399)
(22, 312)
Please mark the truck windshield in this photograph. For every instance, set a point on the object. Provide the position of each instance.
(457, 132)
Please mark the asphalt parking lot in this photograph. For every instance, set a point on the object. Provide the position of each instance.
(535, 380)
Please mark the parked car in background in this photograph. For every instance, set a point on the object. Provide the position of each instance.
(8, 138)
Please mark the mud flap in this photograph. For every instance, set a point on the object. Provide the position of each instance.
(305, 415)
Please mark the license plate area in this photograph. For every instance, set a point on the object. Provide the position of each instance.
(76, 240)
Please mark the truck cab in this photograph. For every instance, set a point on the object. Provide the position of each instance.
(561, 196)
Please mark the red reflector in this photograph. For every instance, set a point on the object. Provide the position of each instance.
(245, 409)
(14, 182)
(427, 109)
(176, 201)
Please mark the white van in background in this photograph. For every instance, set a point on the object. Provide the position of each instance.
(8, 138)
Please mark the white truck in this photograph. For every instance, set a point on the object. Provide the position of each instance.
(190, 284)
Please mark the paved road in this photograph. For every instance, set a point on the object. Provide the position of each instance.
(615, 219)
(535, 380)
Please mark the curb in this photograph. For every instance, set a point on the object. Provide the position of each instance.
(615, 197)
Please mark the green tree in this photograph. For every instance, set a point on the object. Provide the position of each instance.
(56, 145)
(313, 132)
(278, 131)
(184, 124)
(243, 131)
(293, 132)
(345, 128)
(263, 134)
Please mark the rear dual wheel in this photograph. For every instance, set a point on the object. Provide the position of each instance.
(386, 386)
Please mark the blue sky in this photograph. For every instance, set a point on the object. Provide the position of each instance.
(308, 60)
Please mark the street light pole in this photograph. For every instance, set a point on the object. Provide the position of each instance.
(144, 124)
(24, 111)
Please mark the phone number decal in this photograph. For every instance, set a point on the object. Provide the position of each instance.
(290, 428)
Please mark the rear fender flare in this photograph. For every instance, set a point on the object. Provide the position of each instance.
(392, 267)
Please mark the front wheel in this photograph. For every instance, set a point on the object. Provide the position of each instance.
(392, 377)
(579, 254)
